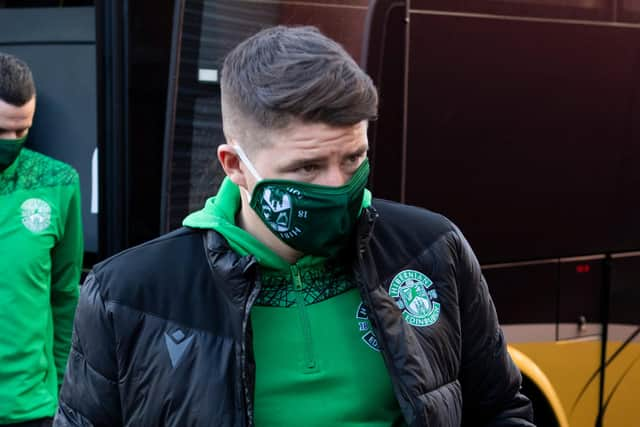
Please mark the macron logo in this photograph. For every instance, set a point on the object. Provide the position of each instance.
(177, 342)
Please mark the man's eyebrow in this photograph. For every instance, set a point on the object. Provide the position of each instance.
(358, 152)
(296, 163)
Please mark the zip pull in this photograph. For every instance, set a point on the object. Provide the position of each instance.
(297, 280)
(310, 363)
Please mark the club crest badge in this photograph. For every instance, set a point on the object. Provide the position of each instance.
(36, 215)
(414, 295)
(364, 326)
(277, 208)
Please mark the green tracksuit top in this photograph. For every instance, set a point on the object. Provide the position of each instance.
(317, 361)
(41, 251)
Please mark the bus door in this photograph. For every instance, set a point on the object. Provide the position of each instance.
(519, 121)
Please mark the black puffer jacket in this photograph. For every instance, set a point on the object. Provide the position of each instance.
(163, 337)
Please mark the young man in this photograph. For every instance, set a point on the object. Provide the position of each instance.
(40, 259)
(293, 298)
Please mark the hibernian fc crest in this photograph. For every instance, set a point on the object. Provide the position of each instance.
(277, 209)
(36, 215)
(413, 294)
(364, 326)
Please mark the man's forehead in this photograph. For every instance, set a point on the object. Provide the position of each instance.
(16, 117)
(318, 132)
(317, 142)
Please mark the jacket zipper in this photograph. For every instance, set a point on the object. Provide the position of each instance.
(298, 285)
(248, 398)
(364, 234)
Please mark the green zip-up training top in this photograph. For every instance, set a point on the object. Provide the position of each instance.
(41, 251)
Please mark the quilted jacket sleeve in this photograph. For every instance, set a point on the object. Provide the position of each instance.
(490, 380)
(89, 395)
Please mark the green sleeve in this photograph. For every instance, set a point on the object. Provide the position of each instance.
(66, 264)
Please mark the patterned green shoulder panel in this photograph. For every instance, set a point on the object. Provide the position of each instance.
(35, 170)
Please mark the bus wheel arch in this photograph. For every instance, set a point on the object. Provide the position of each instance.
(537, 387)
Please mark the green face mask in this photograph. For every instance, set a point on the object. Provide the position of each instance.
(9, 150)
(313, 219)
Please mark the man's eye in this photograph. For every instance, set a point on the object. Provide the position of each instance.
(354, 160)
(308, 168)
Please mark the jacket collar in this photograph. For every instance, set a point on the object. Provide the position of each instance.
(238, 273)
(365, 228)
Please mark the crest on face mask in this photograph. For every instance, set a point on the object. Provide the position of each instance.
(277, 209)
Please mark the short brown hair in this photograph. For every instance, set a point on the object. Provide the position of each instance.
(296, 73)
(16, 82)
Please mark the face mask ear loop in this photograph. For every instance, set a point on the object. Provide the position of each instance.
(240, 152)
(247, 162)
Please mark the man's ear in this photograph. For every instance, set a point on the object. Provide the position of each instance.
(231, 164)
